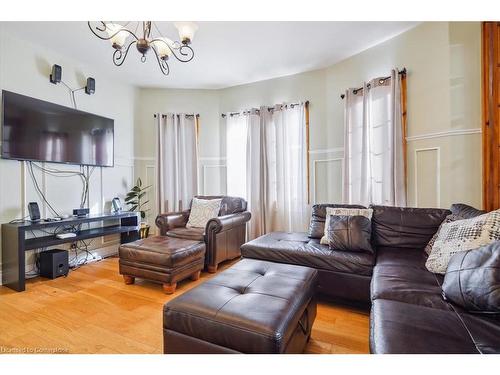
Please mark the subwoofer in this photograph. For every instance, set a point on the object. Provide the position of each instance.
(54, 263)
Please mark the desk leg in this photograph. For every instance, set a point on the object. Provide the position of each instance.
(13, 258)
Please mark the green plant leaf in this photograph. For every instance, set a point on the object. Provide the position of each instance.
(143, 214)
(139, 181)
(128, 200)
(133, 208)
(141, 195)
(136, 189)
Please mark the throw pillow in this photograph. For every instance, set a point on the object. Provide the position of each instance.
(350, 233)
(447, 219)
(462, 235)
(202, 210)
(472, 279)
(367, 212)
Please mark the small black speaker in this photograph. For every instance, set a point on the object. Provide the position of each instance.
(56, 74)
(53, 263)
(90, 88)
(34, 211)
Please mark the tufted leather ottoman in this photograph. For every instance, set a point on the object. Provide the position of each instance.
(162, 259)
(253, 307)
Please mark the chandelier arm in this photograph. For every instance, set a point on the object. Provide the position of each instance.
(119, 56)
(164, 68)
(104, 29)
(181, 50)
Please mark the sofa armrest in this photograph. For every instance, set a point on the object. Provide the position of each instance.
(227, 222)
(171, 220)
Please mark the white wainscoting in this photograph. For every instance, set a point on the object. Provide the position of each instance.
(428, 184)
(448, 133)
(328, 180)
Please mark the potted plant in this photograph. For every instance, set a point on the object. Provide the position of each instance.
(134, 200)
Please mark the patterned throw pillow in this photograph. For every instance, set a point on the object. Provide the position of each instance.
(448, 219)
(462, 235)
(202, 210)
(366, 212)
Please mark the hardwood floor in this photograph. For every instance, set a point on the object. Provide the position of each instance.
(93, 311)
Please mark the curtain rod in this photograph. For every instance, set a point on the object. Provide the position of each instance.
(402, 72)
(258, 110)
(187, 115)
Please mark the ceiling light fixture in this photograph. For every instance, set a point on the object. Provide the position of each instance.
(162, 47)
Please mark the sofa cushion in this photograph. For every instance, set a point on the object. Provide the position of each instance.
(331, 212)
(465, 211)
(318, 217)
(392, 256)
(229, 205)
(297, 248)
(350, 233)
(472, 279)
(202, 210)
(485, 331)
(196, 234)
(462, 235)
(402, 328)
(405, 227)
(407, 284)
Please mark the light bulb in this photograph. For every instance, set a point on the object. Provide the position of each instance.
(162, 47)
(118, 40)
(186, 31)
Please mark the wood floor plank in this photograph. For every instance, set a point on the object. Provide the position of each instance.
(93, 311)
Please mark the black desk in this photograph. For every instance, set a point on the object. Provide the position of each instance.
(15, 243)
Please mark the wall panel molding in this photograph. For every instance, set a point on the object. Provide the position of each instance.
(205, 172)
(438, 173)
(315, 175)
(447, 133)
(326, 150)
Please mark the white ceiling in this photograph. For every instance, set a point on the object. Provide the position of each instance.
(226, 53)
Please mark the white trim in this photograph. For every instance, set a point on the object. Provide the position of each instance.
(315, 162)
(144, 158)
(205, 174)
(212, 158)
(447, 133)
(326, 150)
(438, 173)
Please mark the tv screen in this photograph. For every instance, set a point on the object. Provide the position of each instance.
(36, 130)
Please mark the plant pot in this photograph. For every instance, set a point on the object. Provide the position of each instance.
(144, 230)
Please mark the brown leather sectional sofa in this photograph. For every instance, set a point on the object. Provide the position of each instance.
(408, 312)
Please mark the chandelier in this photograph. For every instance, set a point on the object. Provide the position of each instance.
(162, 47)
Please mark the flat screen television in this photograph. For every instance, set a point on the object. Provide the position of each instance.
(36, 130)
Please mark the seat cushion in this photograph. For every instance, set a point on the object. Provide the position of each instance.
(297, 248)
(392, 256)
(484, 330)
(254, 306)
(162, 251)
(407, 284)
(402, 328)
(195, 234)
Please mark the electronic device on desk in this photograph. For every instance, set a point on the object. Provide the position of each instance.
(54, 263)
(117, 205)
(63, 236)
(80, 212)
(34, 211)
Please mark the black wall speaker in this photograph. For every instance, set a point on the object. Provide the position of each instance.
(56, 74)
(90, 88)
(54, 263)
(80, 212)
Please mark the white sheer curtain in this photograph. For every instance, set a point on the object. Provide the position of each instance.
(374, 160)
(244, 165)
(266, 164)
(177, 161)
(285, 153)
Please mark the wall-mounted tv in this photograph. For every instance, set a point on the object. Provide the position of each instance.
(36, 130)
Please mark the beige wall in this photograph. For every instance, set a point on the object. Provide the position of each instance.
(25, 68)
(444, 140)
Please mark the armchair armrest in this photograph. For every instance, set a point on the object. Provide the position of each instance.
(227, 222)
(171, 220)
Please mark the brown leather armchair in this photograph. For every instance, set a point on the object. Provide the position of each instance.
(222, 235)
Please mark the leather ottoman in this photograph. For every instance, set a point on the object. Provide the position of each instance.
(162, 259)
(253, 307)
